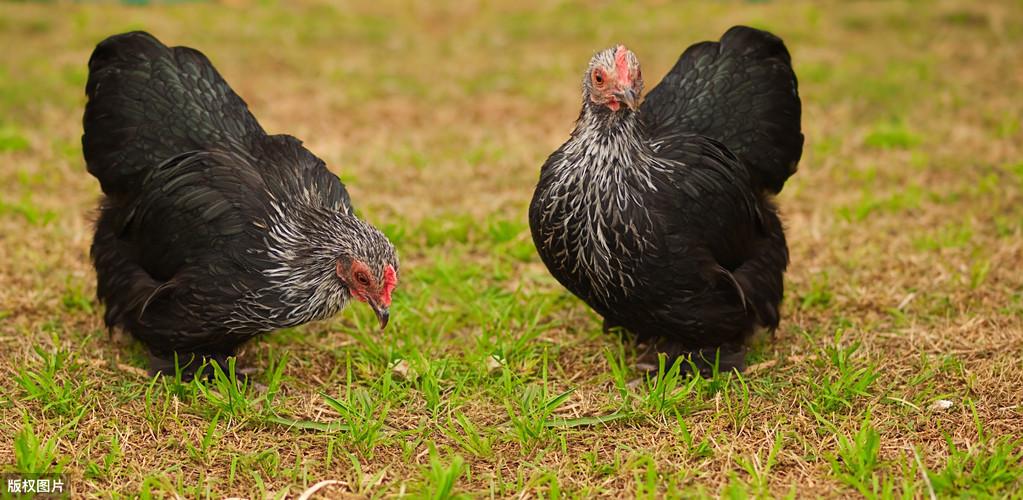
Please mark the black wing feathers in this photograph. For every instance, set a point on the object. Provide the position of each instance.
(717, 209)
(742, 232)
(740, 91)
(188, 209)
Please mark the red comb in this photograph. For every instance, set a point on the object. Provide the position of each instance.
(390, 281)
(622, 64)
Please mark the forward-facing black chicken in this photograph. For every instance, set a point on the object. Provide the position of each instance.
(211, 231)
(660, 216)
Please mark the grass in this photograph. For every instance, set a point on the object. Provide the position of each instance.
(905, 223)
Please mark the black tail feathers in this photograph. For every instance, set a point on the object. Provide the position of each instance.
(149, 102)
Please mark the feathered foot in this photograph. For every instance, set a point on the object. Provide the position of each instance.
(726, 358)
(190, 364)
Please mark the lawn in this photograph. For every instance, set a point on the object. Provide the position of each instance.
(897, 371)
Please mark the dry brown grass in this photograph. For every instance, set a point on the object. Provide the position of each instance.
(905, 223)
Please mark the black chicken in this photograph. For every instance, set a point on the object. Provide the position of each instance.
(660, 216)
(211, 231)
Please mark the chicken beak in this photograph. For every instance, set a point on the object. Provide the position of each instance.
(627, 96)
(383, 314)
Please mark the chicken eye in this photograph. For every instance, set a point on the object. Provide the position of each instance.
(362, 279)
(598, 78)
